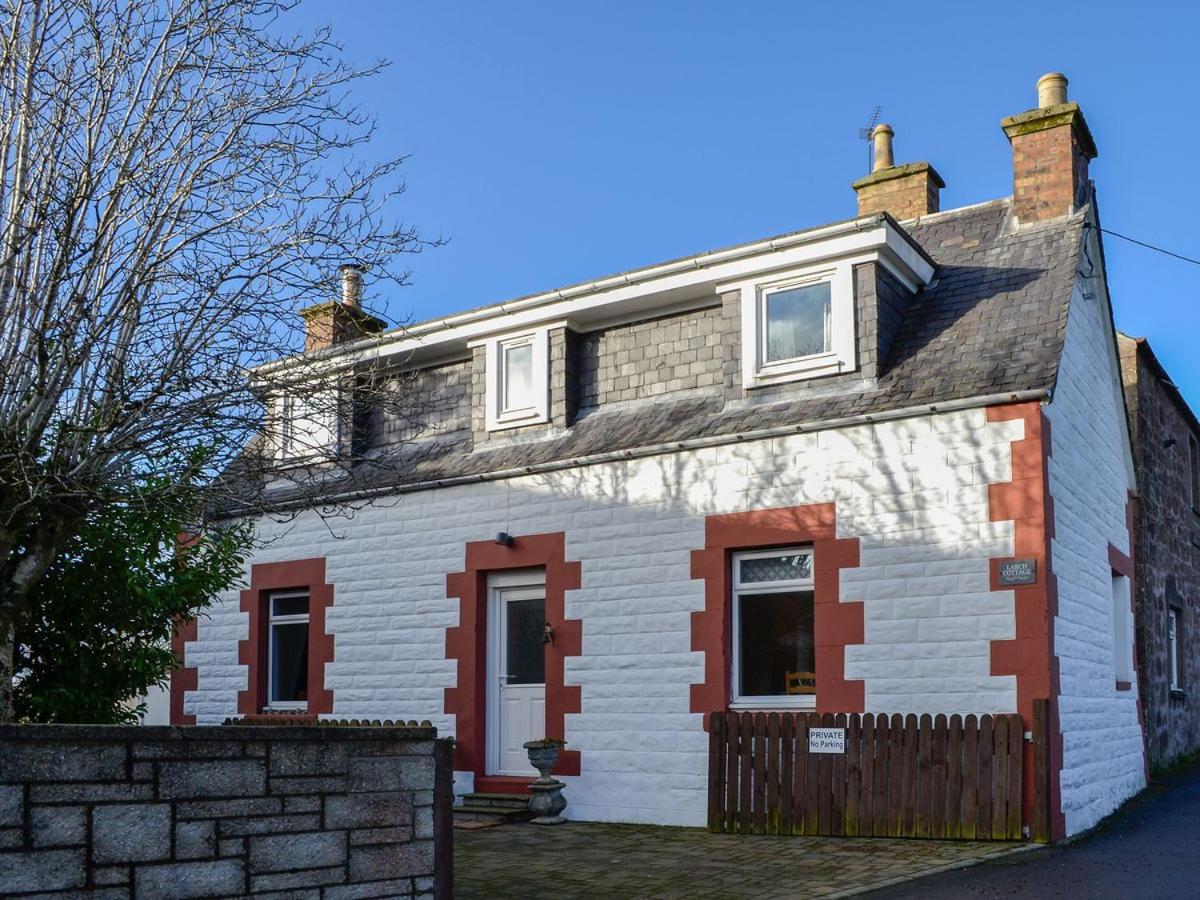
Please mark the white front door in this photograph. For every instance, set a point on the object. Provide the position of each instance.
(517, 670)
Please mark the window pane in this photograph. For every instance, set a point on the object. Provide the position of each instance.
(518, 376)
(289, 606)
(1120, 627)
(798, 322)
(526, 653)
(776, 638)
(289, 662)
(788, 567)
(1173, 646)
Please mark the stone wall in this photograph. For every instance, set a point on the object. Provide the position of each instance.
(1167, 535)
(313, 811)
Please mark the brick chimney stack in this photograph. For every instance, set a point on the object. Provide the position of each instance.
(1051, 147)
(338, 321)
(905, 191)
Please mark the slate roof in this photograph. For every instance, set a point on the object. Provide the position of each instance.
(993, 321)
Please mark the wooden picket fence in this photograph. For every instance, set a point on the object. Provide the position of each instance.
(900, 776)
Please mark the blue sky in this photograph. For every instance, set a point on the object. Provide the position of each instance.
(556, 142)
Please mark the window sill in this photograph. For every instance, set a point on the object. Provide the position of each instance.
(511, 420)
(801, 370)
(306, 458)
(772, 704)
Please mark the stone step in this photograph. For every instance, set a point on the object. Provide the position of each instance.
(497, 800)
(470, 816)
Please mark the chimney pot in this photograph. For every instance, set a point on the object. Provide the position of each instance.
(1052, 89)
(882, 135)
(352, 285)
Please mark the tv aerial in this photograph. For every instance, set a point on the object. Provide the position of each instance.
(866, 132)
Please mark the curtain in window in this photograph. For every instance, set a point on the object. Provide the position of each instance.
(798, 322)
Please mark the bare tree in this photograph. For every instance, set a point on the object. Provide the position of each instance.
(177, 179)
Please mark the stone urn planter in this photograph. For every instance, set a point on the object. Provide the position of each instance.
(547, 802)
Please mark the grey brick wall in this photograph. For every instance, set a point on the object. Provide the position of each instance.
(564, 376)
(427, 403)
(891, 298)
(646, 359)
(478, 394)
(1167, 560)
(313, 811)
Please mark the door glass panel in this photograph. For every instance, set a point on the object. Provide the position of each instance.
(776, 638)
(289, 662)
(525, 625)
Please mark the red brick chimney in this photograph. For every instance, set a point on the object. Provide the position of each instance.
(336, 321)
(1051, 146)
(905, 191)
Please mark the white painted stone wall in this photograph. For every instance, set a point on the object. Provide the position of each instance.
(914, 491)
(1090, 476)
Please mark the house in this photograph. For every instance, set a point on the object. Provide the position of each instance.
(879, 465)
(1166, 450)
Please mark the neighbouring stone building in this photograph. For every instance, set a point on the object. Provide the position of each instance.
(1166, 449)
(879, 465)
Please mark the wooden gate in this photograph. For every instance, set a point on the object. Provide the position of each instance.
(900, 776)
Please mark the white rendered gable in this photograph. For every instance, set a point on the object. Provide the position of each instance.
(1091, 476)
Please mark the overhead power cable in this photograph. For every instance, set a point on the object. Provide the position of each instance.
(1117, 234)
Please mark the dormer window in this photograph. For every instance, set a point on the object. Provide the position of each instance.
(517, 385)
(797, 325)
(307, 426)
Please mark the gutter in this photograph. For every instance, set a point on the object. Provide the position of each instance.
(1042, 395)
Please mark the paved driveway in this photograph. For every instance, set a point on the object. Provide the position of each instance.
(1148, 849)
(579, 860)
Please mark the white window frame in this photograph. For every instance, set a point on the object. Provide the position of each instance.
(285, 426)
(738, 590)
(272, 621)
(291, 415)
(1173, 628)
(1122, 650)
(757, 371)
(498, 417)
